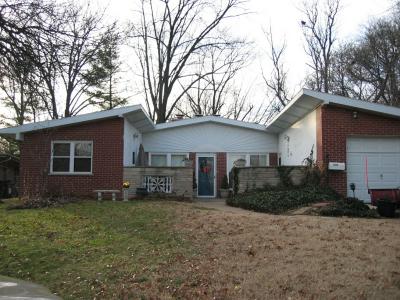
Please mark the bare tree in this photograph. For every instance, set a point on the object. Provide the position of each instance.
(19, 94)
(80, 45)
(376, 61)
(24, 25)
(45, 53)
(319, 29)
(369, 68)
(211, 93)
(169, 39)
(276, 82)
(21, 20)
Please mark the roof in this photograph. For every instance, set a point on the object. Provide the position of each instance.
(135, 114)
(210, 119)
(308, 100)
(303, 103)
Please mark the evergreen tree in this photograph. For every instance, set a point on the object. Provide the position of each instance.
(104, 74)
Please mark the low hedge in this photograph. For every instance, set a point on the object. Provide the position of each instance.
(349, 207)
(280, 201)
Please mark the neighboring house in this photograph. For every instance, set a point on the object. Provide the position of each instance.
(88, 152)
(9, 169)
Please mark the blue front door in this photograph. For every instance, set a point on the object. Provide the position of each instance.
(205, 176)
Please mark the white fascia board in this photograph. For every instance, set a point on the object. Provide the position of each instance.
(286, 108)
(116, 112)
(354, 103)
(325, 98)
(210, 119)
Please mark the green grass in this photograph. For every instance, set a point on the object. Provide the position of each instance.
(88, 249)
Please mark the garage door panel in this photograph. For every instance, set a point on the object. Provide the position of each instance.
(383, 158)
(373, 145)
(354, 160)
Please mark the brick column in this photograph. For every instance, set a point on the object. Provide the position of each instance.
(221, 168)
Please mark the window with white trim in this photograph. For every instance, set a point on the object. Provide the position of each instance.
(158, 160)
(168, 159)
(178, 160)
(247, 159)
(258, 160)
(74, 157)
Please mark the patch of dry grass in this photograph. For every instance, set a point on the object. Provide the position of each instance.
(253, 256)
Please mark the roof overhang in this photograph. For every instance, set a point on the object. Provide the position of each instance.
(140, 120)
(210, 119)
(135, 114)
(307, 101)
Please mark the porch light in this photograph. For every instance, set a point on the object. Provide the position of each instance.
(355, 114)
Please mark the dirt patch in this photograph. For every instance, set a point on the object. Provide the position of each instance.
(258, 256)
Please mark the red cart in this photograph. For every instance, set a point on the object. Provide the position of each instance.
(388, 194)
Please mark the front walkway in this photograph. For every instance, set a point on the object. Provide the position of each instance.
(219, 204)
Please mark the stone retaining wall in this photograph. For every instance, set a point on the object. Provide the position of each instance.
(251, 178)
(182, 179)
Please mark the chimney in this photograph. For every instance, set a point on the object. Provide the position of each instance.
(198, 115)
(179, 116)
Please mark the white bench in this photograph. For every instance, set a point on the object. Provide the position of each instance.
(100, 193)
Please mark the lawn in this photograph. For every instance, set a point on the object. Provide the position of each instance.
(171, 250)
(89, 249)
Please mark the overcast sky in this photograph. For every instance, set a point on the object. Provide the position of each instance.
(284, 16)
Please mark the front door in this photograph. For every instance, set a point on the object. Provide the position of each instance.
(206, 176)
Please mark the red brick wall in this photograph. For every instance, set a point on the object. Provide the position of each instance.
(221, 168)
(273, 159)
(107, 168)
(192, 157)
(335, 125)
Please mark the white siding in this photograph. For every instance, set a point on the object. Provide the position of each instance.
(132, 140)
(296, 142)
(210, 137)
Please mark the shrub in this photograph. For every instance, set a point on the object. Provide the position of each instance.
(42, 201)
(280, 201)
(235, 175)
(350, 207)
(225, 184)
(284, 176)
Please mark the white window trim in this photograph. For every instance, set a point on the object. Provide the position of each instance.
(247, 155)
(168, 156)
(71, 157)
(259, 153)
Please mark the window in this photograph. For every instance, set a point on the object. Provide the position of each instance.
(168, 159)
(247, 159)
(71, 157)
(178, 160)
(158, 160)
(258, 160)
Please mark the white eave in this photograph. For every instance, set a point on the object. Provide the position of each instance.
(135, 114)
(307, 100)
(210, 119)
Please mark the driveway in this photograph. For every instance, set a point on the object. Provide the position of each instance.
(11, 288)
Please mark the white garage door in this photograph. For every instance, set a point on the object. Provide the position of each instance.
(380, 156)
